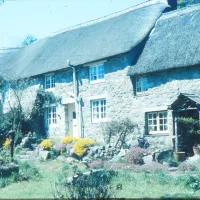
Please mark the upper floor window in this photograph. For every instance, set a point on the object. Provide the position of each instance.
(97, 73)
(51, 115)
(157, 122)
(98, 110)
(49, 81)
(141, 84)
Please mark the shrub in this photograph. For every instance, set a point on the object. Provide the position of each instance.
(96, 164)
(6, 143)
(134, 155)
(118, 133)
(46, 144)
(87, 186)
(186, 167)
(69, 139)
(82, 145)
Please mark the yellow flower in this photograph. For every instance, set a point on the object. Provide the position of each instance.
(80, 147)
(46, 144)
(6, 143)
(69, 139)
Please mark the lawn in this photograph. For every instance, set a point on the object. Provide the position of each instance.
(35, 189)
(135, 184)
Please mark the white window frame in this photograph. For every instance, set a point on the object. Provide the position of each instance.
(99, 113)
(143, 81)
(158, 124)
(51, 116)
(98, 79)
(52, 81)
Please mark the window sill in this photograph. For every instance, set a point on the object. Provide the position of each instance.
(141, 94)
(100, 121)
(97, 81)
(50, 89)
(157, 135)
(52, 125)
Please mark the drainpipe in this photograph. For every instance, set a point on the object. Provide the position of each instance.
(77, 101)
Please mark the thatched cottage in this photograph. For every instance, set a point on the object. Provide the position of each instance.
(86, 68)
(166, 77)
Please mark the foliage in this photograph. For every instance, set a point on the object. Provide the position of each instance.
(69, 139)
(43, 99)
(6, 143)
(97, 164)
(189, 123)
(184, 3)
(119, 132)
(86, 186)
(143, 143)
(46, 144)
(187, 167)
(28, 40)
(134, 155)
(81, 146)
(26, 173)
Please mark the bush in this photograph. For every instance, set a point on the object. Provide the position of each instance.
(82, 145)
(134, 155)
(87, 186)
(119, 133)
(69, 139)
(6, 144)
(96, 164)
(186, 167)
(46, 144)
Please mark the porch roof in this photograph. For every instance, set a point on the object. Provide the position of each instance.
(186, 101)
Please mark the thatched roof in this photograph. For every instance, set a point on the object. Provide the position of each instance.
(103, 38)
(174, 43)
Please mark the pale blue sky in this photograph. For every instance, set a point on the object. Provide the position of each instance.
(40, 18)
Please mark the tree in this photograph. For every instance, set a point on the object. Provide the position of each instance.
(28, 40)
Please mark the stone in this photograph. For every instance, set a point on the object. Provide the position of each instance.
(7, 170)
(61, 158)
(119, 156)
(59, 146)
(95, 149)
(44, 155)
(148, 159)
(71, 152)
(87, 159)
(71, 160)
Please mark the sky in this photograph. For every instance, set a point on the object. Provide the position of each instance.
(40, 18)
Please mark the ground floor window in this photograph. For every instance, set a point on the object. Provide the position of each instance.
(51, 115)
(98, 110)
(157, 122)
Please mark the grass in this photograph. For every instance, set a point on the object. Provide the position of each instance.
(40, 188)
(153, 185)
(135, 184)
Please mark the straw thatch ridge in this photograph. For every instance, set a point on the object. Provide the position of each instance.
(174, 43)
(106, 38)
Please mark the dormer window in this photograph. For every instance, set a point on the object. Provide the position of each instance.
(97, 73)
(141, 84)
(49, 81)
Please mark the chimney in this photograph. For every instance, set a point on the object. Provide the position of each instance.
(172, 4)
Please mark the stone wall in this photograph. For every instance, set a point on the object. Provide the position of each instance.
(118, 90)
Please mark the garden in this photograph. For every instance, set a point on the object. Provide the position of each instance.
(81, 168)
(35, 166)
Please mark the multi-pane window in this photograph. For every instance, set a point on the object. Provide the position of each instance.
(98, 109)
(49, 81)
(97, 72)
(157, 122)
(141, 84)
(51, 115)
